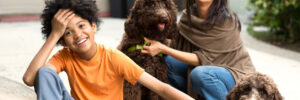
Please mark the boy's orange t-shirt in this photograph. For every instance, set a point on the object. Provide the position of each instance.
(99, 78)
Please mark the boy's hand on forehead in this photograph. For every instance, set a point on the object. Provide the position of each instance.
(60, 21)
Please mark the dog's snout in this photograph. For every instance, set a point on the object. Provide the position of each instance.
(163, 17)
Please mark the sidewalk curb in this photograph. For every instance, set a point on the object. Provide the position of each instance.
(16, 18)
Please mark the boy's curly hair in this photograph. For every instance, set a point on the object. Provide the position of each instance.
(87, 9)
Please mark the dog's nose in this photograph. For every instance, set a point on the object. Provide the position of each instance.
(163, 16)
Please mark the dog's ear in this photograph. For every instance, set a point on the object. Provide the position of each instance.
(277, 95)
(169, 3)
(270, 87)
(173, 32)
(173, 18)
(232, 94)
(273, 92)
(131, 28)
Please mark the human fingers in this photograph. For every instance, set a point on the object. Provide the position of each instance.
(59, 24)
(62, 13)
(144, 51)
(148, 40)
(69, 17)
(67, 14)
(57, 13)
(146, 47)
(148, 52)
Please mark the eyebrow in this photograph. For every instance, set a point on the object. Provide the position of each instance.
(76, 24)
(79, 22)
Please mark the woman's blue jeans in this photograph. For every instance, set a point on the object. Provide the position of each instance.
(211, 82)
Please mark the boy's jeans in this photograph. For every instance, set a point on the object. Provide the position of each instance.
(212, 82)
(48, 86)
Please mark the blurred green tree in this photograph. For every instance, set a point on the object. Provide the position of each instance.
(281, 16)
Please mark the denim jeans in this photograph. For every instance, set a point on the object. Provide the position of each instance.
(48, 86)
(211, 82)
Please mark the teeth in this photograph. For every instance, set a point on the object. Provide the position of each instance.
(81, 41)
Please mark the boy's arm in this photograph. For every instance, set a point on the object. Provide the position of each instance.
(39, 60)
(162, 89)
(59, 23)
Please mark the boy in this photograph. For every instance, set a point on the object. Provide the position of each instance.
(94, 70)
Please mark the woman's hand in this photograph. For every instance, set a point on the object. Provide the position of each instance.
(155, 47)
(60, 21)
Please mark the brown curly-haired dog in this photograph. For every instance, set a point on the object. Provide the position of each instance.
(156, 20)
(255, 86)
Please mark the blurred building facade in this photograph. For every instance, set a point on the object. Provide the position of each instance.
(112, 8)
(10, 7)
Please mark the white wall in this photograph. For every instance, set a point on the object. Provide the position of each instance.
(103, 5)
(21, 6)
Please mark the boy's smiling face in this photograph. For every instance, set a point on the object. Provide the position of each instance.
(79, 35)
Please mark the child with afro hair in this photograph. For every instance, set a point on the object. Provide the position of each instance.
(95, 71)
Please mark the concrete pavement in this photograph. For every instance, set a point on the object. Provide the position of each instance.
(12, 90)
(20, 41)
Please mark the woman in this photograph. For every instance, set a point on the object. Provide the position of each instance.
(210, 45)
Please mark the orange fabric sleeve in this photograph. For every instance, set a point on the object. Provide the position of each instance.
(125, 67)
(58, 60)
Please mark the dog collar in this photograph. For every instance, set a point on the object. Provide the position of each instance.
(140, 47)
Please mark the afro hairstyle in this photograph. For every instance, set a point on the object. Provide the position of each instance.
(86, 9)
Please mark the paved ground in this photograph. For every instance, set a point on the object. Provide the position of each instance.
(12, 90)
(21, 40)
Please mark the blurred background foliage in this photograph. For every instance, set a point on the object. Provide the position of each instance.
(281, 18)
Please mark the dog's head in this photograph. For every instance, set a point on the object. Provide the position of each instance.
(255, 86)
(154, 19)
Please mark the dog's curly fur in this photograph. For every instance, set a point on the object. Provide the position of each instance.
(255, 86)
(156, 20)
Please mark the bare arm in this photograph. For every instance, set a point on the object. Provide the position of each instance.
(59, 22)
(162, 89)
(156, 47)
